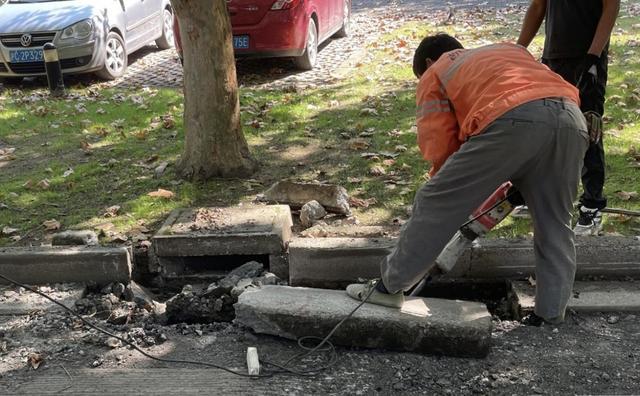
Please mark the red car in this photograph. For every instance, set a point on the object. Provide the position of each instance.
(284, 28)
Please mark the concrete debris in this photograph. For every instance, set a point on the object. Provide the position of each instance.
(71, 238)
(311, 212)
(333, 198)
(215, 303)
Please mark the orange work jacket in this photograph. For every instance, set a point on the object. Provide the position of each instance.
(465, 90)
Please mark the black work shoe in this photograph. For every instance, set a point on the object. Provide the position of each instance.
(532, 320)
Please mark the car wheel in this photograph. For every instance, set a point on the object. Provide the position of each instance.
(346, 22)
(307, 60)
(115, 58)
(11, 80)
(166, 40)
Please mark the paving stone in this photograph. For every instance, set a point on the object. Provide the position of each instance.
(42, 265)
(423, 325)
(588, 296)
(245, 230)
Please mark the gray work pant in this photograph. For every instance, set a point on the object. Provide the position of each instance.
(538, 146)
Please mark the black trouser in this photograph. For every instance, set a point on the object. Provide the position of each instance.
(593, 171)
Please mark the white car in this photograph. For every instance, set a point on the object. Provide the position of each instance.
(90, 35)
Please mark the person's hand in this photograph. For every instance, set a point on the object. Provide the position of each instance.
(594, 126)
(588, 83)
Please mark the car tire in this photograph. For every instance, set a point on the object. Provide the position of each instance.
(308, 60)
(166, 40)
(115, 58)
(11, 80)
(345, 30)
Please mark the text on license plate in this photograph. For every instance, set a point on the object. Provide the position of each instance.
(240, 42)
(22, 56)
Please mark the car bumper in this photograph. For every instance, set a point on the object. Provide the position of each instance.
(279, 34)
(74, 59)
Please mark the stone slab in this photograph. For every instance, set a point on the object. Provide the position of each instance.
(334, 262)
(596, 296)
(14, 302)
(43, 265)
(423, 325)
(240, 230)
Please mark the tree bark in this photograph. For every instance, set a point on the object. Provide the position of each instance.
(214, 143)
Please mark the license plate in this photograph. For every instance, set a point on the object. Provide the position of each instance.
(240, 42)
(22, 56)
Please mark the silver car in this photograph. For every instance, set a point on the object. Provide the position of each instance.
(91, 35)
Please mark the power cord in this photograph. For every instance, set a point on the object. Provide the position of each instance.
(283, 369)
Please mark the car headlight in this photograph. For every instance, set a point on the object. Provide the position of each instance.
(78, 31)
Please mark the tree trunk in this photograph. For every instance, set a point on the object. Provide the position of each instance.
(214, 143)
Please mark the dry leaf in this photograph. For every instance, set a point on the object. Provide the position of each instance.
(28, 184)
(51, 225)
(361, 203)
(168, 122)
(378, 171)
(354, 180)
(358, 144)
(8, 230)
(34, 360)
(44, 184)
(161, 193)
(112, 211)
(626, 195)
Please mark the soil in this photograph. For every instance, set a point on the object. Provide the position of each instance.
(589, 354)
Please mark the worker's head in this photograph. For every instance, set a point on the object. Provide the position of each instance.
(430, 50)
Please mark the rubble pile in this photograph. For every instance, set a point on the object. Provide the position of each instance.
(215, 303)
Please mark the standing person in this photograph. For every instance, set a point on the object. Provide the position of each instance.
(576, 46)
(486, 116)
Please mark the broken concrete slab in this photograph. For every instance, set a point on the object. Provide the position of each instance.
(43, 265)
(14, 301)
(240, 230)
(594, 296)
(333, 198)
(423, 325)
(334, 262)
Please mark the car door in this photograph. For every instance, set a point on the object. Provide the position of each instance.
(324, 16)
(134, 17)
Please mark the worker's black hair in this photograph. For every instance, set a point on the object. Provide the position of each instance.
(432, 47)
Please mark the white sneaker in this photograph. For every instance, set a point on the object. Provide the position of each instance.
(589, 221)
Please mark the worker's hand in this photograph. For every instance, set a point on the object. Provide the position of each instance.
(588, 82)
(594, 126)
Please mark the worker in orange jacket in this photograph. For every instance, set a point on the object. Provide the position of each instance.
(486, 116)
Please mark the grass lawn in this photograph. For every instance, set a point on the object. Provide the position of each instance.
(89, 161)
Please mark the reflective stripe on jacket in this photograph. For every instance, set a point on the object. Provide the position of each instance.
(465, 90)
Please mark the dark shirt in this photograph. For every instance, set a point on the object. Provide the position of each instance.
(570, 27)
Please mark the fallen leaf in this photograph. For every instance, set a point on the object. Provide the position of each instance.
(43, 184)
(34, 360)
(28, 184)
(378, 170)
(9, 231)
(361, 203)
(68, 172)
(358, 144)
(168, 122)
(354, 180)
(112, 211)
(401, 149)
(161, 193)
(51, 225)
(626, 195)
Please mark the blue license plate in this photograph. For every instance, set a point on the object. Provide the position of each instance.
(23, 56)
(240, 42)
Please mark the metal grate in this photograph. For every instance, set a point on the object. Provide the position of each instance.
(37, 39)
(38, 67)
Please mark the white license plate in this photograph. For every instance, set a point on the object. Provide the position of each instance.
(23, 56)
(240, 42)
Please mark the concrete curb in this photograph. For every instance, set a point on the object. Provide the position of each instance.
(41, 265)
(335, 262)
